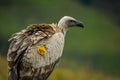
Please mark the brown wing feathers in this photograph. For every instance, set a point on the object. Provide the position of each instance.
(22, 40)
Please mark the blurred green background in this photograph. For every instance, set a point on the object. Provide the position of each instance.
(92, 53)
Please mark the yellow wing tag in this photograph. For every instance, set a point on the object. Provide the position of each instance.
(41, 50)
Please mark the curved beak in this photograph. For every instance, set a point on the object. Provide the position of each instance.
(80, 24)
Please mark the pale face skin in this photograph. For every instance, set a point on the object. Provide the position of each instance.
(67, 21)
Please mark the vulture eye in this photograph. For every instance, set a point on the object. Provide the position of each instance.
(71, 21)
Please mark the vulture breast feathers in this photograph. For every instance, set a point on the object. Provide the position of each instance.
(34, 52)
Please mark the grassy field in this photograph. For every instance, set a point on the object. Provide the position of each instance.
(3, 69)
(62, 72)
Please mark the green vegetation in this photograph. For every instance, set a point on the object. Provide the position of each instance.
(81, 74)
(3, 69)
(92, 53)
(100, 35)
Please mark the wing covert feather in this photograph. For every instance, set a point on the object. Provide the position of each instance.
(22, 40)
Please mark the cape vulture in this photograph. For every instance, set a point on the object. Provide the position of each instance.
(34, 52)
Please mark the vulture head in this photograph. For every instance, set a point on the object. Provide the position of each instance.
(67, 21)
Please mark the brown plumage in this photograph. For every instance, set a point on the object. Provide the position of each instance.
(20, 43)
(24, 62)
